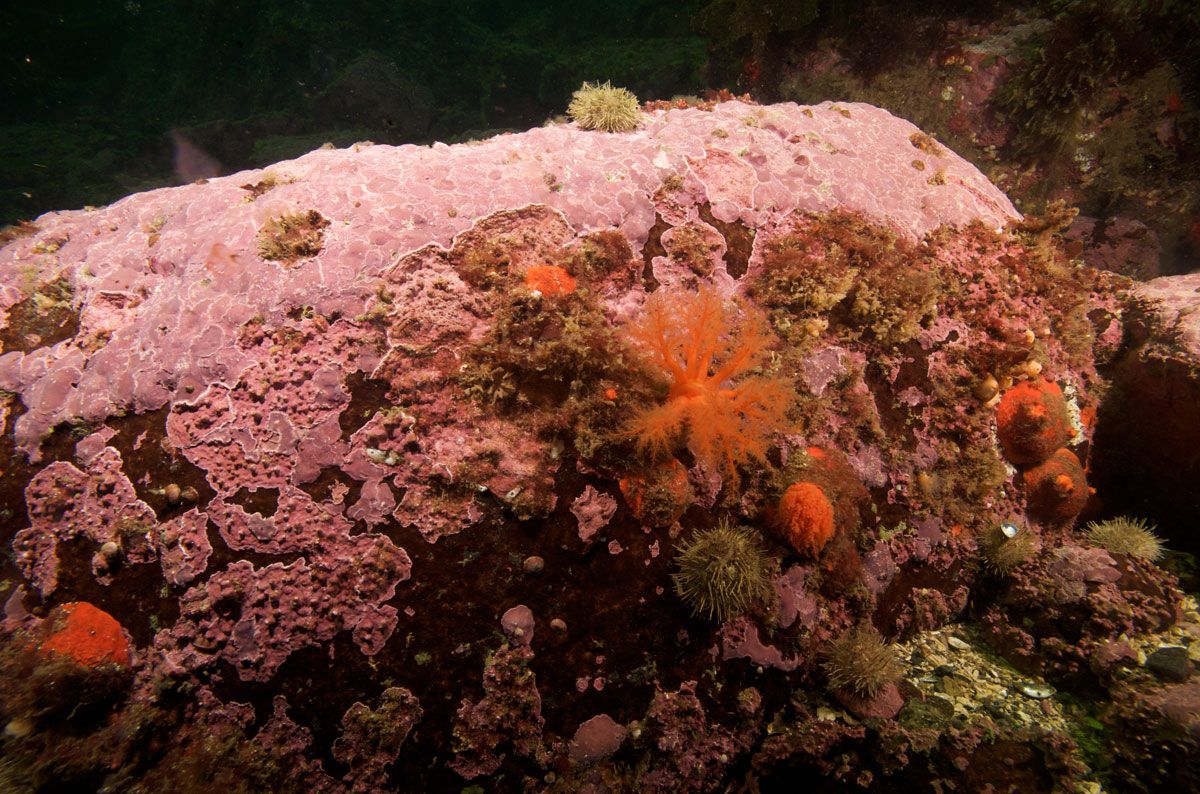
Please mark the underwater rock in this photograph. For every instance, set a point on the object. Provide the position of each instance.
(314, 429)
(1155, 737)
(1148, 428)
(1122, 245)
(1170, 663)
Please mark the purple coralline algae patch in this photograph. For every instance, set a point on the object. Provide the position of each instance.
(508, 716)
(592, 509)
(1122, 245)
(518, 624)
(254, 618)
(1157, 735)
(299, 524)
(372, 738)
(879, 567)
(277, 422)
(283, 738)
(96, 502)
(795, 604)
(596, 738)
(692, 752)
(184, 547)
(885, 705)
(740, 639)
(1071, 602)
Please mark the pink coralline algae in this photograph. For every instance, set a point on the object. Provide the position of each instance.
(518, 623)
(96, 502)
(593, 509)
(254, 618)
(597, 738)
(509, 716)
(694, 752)
(740, 639)
(372, 738)
(184, 263)
(1071, 602)
(277, 423)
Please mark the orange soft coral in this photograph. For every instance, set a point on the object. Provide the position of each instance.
(689, 336)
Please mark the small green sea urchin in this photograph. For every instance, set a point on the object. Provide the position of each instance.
(862, 662)
(723, 572)
(1125, 535)
(604, 107)
(1004, 547)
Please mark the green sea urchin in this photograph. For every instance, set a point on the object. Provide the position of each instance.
(862, 662)
(1125, 535)
(604, 107)
(1004, 547)
(723, 572)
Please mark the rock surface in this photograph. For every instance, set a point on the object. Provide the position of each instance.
(1149, 430)
(303, 432)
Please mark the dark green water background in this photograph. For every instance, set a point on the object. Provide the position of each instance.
(90, 92)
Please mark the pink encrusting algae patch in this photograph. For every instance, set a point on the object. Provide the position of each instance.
(164, 280)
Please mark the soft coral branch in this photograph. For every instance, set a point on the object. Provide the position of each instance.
(688, 336)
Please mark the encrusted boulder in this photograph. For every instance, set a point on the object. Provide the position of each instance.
(1146, 459)
(331, 438)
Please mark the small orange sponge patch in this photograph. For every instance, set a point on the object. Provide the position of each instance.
(1032, 422)
(806, 517)
(88, 635)
(1057, 490)
(661, 497)
(549, 280)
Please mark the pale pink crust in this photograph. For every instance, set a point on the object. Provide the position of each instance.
(592, 509)
(96, 502)
(279, 609)
(172, 274)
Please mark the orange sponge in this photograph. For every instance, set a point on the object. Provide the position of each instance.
(549, 280)
(1032, 421)
(88, 635)
(1056, 490)
(660, 497)
(806, 517)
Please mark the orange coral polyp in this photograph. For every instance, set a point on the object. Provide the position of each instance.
(549, 280)
(806, 517)
(88, 635)
(1032, 422)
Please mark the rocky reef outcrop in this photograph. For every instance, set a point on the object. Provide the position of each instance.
(382, 461)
